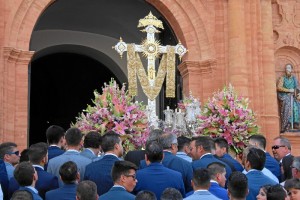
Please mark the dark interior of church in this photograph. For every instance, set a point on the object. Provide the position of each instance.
(62, 85)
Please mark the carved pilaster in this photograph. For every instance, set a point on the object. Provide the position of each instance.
(197, 77)
(14, 98)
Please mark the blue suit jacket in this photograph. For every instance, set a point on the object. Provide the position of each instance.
(272, 165)
(55, 163)
(53, 151)
(206, 160)
(44, 183)
(66, 192)
(156, 178)
(203, 195)
(218, 191)
(256, 179)
(178, 164)
(100, 173)
(4, 179)
(236, 164)
(35, 196)
(117, 193)
(88, 154)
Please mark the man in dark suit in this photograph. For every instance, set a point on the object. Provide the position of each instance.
(218, 180)
(38, 157)
(271, 164)
(26, 176)
(70, 176)
(56, 140)
(91, 144)
(237, 186)
(254, 161)
(169, 143)
(156, 178)
(282, 153)
(136, 156)
(222, 147)
(86, 190)
(100, 170)
(124, 176)
(201, 153)
(74, 143)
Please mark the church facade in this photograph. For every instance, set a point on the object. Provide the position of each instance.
(245, 43)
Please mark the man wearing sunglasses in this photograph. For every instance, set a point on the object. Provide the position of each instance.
(282, 153)
(10, 154)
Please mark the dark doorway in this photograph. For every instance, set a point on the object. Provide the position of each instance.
(61, 86)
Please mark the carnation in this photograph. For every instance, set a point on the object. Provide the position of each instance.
(227, 115)
(114, 110)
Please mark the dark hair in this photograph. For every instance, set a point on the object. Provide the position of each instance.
(109, 140)
(275, 192)
(145, 195)
(86, 190)
(201, 178)
(238, 184)
(73, 136)
(22, 195)
(154, 151)
(215, 168)
(6, 147)
(259, 139)
(222, 143)
(37, 152)
(92, 140)
(171, 194)
(256, 158)
(24, 173)
(68, 172)
(203, 141)
(166, 140)
(54, 133)
(121, 168)
(183, 141)
(24, 155)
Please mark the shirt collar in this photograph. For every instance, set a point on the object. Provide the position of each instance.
(90, 151)
(33, 189)
(110, 154)
(39, 166)
(205, 155)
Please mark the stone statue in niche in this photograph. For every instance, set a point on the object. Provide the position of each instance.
(289, 96)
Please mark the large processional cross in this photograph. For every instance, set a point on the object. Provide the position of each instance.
(151, 49)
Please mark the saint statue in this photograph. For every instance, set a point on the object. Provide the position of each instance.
(287, 89)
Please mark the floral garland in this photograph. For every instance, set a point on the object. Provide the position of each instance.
(226, 115)
(114, 110)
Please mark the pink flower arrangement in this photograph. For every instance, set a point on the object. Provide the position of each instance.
(227, 115)
(114, 110)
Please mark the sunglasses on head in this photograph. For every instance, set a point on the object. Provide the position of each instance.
(16, 153)
(277, 146)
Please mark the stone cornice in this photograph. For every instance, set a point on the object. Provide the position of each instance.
(198, 67)
(16, 55)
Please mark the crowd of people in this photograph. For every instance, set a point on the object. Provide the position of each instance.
(91, 167)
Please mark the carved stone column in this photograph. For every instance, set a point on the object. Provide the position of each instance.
(270, 116)
(14, 100)
(237, 69)
(197, 77)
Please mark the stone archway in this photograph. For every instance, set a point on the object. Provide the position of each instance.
(16, 57)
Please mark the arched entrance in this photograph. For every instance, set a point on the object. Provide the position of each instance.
(73, 57)
(61, 88)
